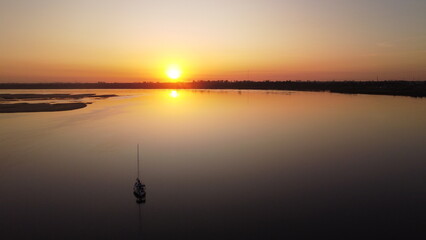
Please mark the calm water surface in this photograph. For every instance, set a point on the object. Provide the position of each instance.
(217, 165)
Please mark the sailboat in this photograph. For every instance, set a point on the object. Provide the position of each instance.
(139, 187)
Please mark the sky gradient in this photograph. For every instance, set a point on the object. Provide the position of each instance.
(134, 40)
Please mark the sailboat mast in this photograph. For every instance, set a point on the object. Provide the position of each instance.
(138, 160)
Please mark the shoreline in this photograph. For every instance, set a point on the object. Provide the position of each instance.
(392, 88)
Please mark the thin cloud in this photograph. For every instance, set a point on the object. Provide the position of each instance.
(394, 43)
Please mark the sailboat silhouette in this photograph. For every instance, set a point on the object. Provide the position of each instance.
(139, 188)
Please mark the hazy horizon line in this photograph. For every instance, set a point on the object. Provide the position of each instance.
(217, 80)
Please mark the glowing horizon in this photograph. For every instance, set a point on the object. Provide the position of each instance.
(82, 41)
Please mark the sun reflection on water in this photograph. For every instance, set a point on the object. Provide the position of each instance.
(174, 94)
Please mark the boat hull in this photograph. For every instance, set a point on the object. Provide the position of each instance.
(139, 194)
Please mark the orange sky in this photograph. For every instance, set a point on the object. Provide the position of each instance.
(130, 40)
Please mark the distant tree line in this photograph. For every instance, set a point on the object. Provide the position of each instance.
(397, 88)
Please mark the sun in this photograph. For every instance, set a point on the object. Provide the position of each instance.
(173, 72)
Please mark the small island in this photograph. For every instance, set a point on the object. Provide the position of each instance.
(8, 105)
(39, 107)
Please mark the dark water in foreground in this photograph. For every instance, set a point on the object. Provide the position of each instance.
(218, 165)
